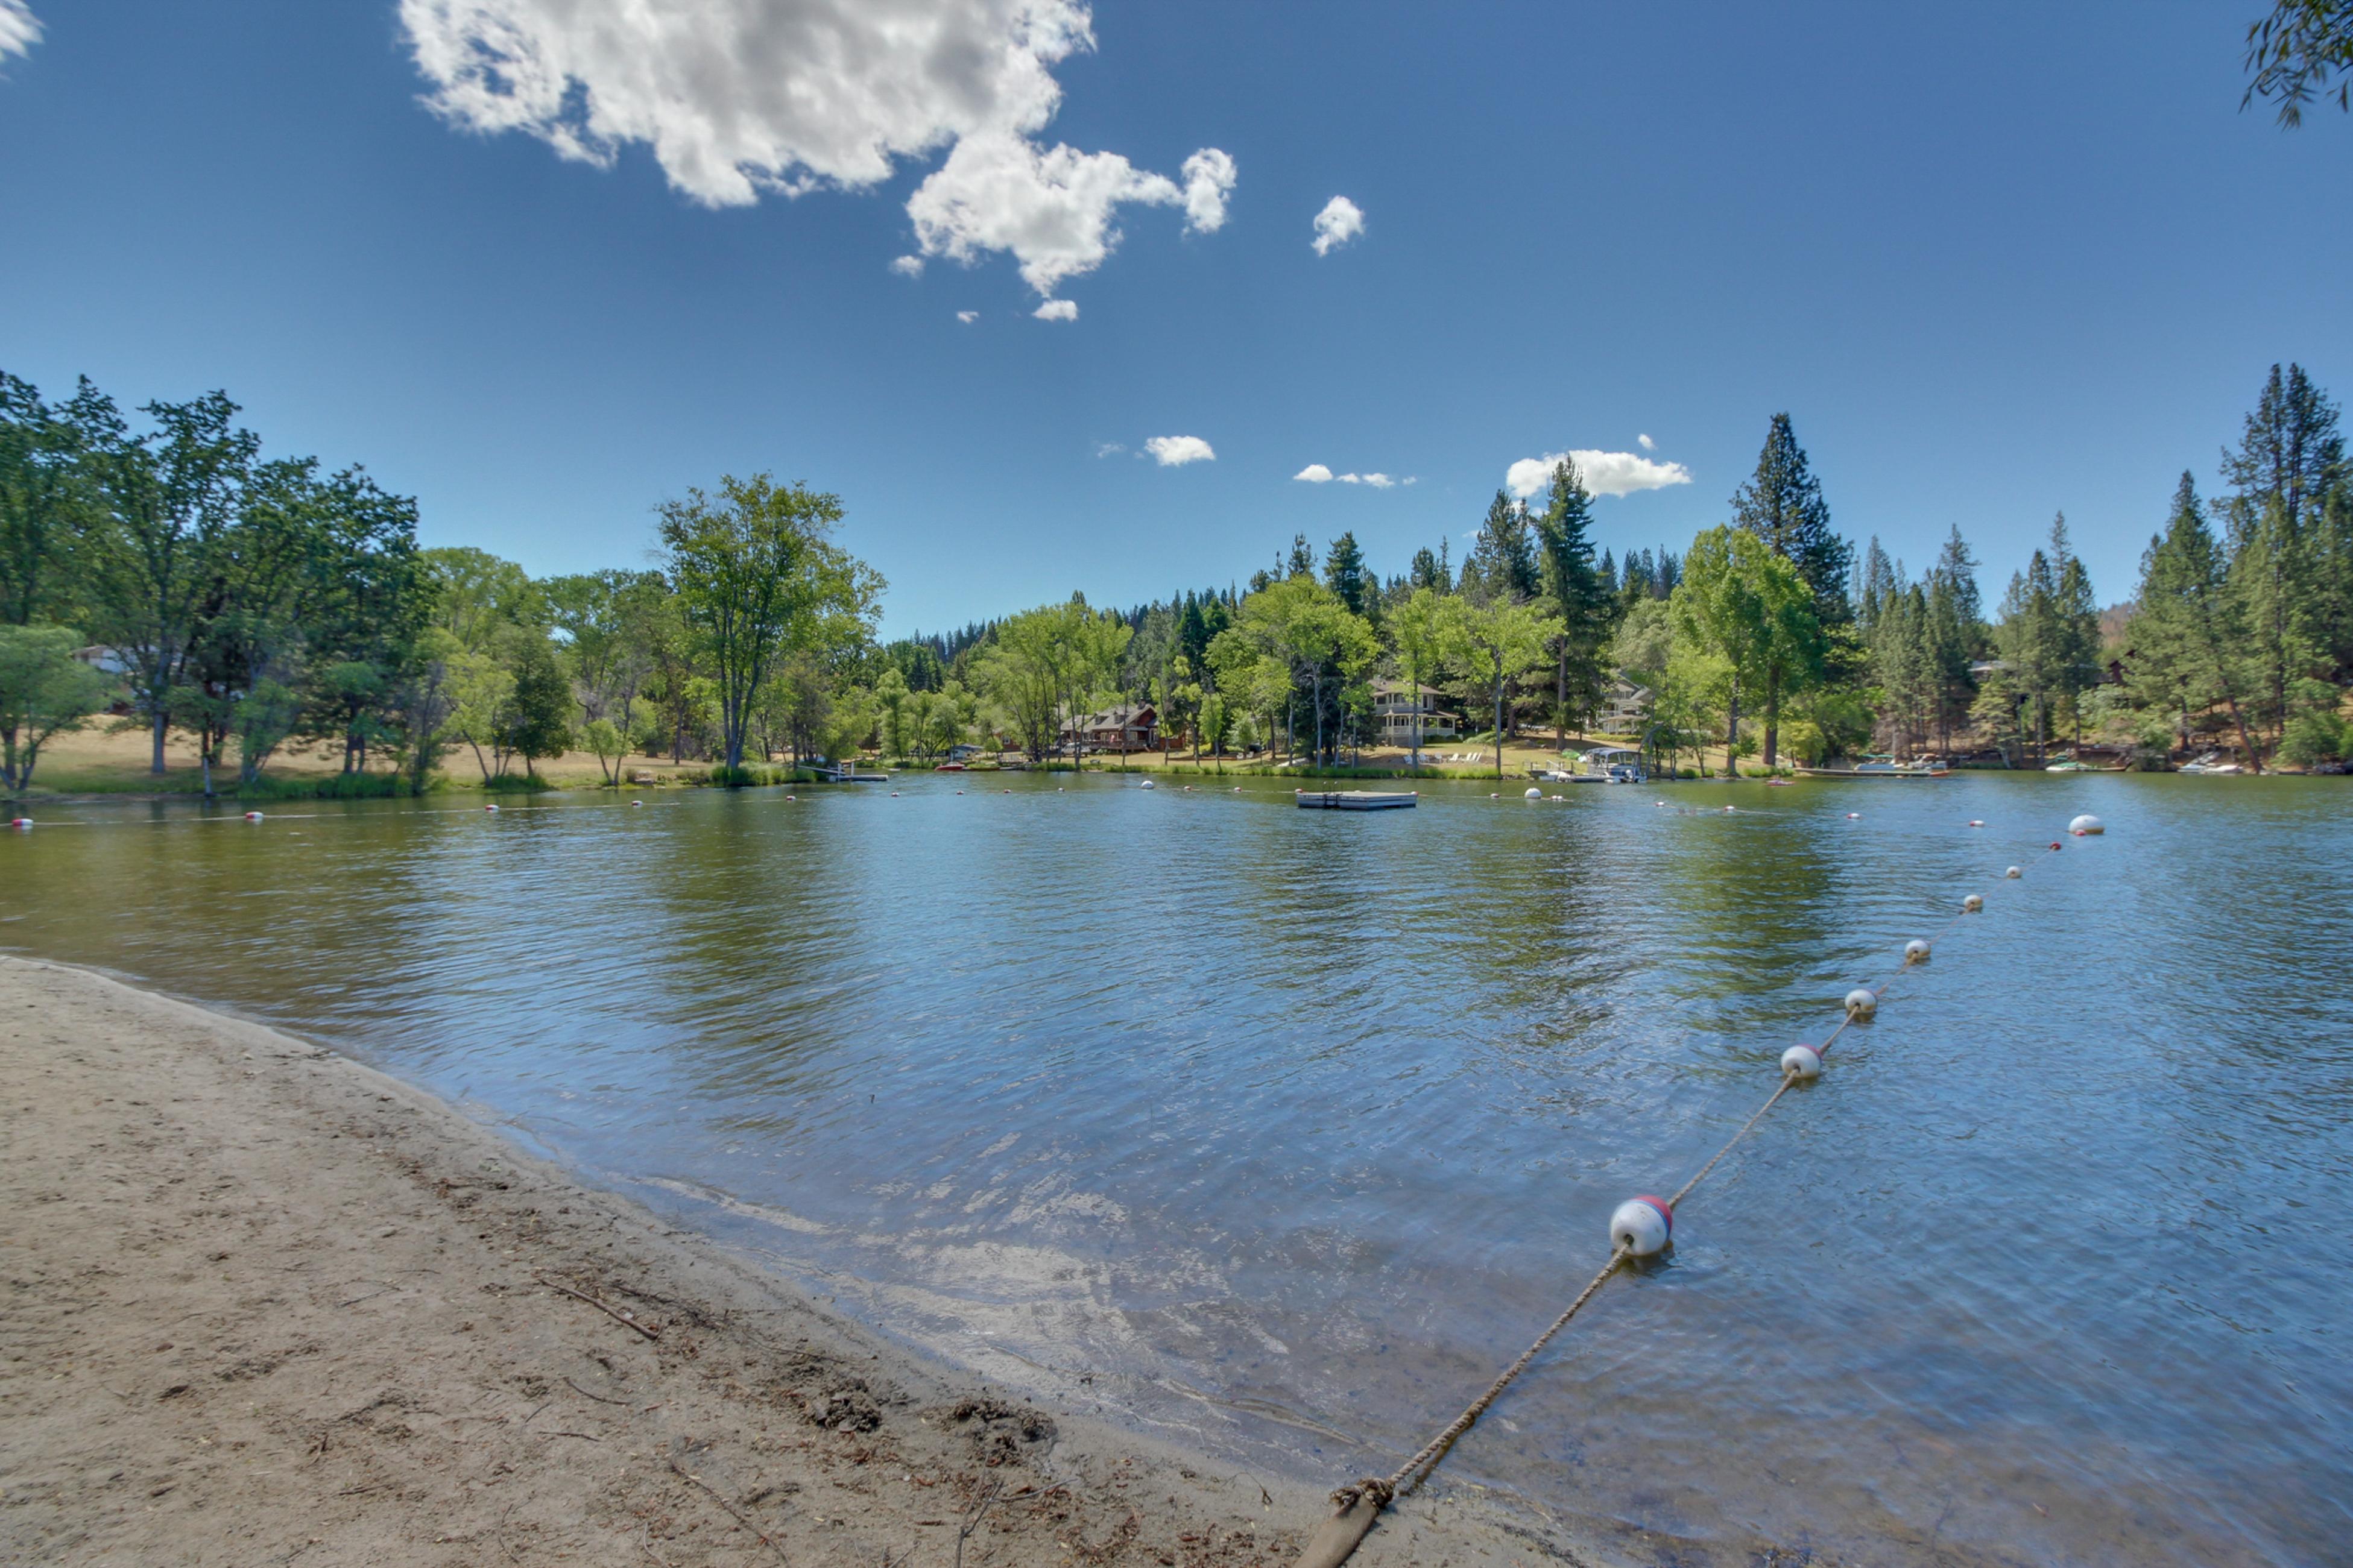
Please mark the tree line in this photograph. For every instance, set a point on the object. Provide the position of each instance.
(1768, 637)
(164, 569)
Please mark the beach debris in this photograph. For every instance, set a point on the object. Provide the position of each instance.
(621, 1315)
(732, 1512)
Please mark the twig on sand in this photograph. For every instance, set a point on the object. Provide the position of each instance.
(732, 1512)
(981, 1502)
(597, 1397)
(619, 1315)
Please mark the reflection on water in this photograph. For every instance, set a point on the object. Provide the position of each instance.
(1286, 1129)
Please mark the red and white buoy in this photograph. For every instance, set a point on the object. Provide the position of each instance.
(490, 807)
(253, 816)
(1643, 1225)
(21, 823)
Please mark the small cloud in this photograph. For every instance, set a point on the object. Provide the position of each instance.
(967, 317)
(908, 266)
(19, 29)
(1109, 448)
(1057, 310)
(1410, 480)
(1379, 481)
(1209, 180)
(1646, 443)
(1605, 473)
(1341, 221)
(1314, 474)
(1176, 451)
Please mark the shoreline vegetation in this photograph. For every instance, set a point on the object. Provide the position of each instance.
(268, 629)
(268, 1302)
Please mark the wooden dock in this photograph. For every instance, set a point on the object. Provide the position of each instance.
(1355, 800)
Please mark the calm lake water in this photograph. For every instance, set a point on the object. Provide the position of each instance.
(1287, 1129)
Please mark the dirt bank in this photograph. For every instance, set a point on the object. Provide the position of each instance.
(264, 1305)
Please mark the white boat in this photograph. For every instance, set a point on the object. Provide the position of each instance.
(2212, 763)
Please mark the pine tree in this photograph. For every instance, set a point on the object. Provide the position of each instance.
(2074, 625)
(1782, 503)
(1345, 574)
(1425, 572)
(2290, 458)
(1956, 631)
(1502, 560)
(1302, 560)
(2186, 641)
(1579, 598)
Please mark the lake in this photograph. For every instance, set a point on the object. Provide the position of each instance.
(1278, 1132)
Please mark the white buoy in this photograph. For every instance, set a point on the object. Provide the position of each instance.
(1149, 784)
(490, 808)
(2013, 873)
(253, 816)
(1973, 903)
(2087, 826)
(1643, 1225)
(1915, 952)
(1855, 816)
(1975, 823)
(1802, 1061)
(1862, 1002)
(641, 803)
(1535, 794)
(1732, 809)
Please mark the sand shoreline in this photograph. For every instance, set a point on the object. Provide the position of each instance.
(266, 1304)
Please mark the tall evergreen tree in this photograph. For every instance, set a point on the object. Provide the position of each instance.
(2187, 644)
(1345, 574)
(1581, 603)
(1502, 560)
(1782, 504)
(2290, 458)
(1302, 560)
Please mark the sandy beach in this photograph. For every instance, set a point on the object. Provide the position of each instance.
(266, 1305)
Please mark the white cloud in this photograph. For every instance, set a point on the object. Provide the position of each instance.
(1109, 448)
(1341, 221)
(1605, 473)
(1057, 310)
(1646, 443)
(967, 317)
(908, 266)
(20, 30)
(1314, 474)
(1209, 180)
(1378, 481)
(1176, 451)
(737, 99)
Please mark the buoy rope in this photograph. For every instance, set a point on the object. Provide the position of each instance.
(1381, 1492)
(1413, 1469)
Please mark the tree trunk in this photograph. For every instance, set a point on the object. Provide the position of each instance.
(1772, 723)
(1731, 737)
(157, 766)
(1499, 721)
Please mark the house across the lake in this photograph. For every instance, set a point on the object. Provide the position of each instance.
(1129, 727)
(1407, 719)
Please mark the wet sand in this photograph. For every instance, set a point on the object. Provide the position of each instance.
(266, 1305)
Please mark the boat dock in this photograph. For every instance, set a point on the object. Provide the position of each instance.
(1355, 800)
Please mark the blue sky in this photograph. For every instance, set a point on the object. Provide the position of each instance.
(1996, 261)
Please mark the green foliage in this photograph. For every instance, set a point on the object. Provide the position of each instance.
(757, 577)
(45, 692)
(2294, 50)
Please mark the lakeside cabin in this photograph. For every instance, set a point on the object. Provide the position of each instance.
(1408, 720)
(1128, 726)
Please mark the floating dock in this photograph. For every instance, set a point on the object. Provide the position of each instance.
(1355, 800)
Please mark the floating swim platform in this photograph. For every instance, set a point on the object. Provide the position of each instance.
(1355, 800)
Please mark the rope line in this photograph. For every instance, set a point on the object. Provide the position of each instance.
(1379, 1492)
